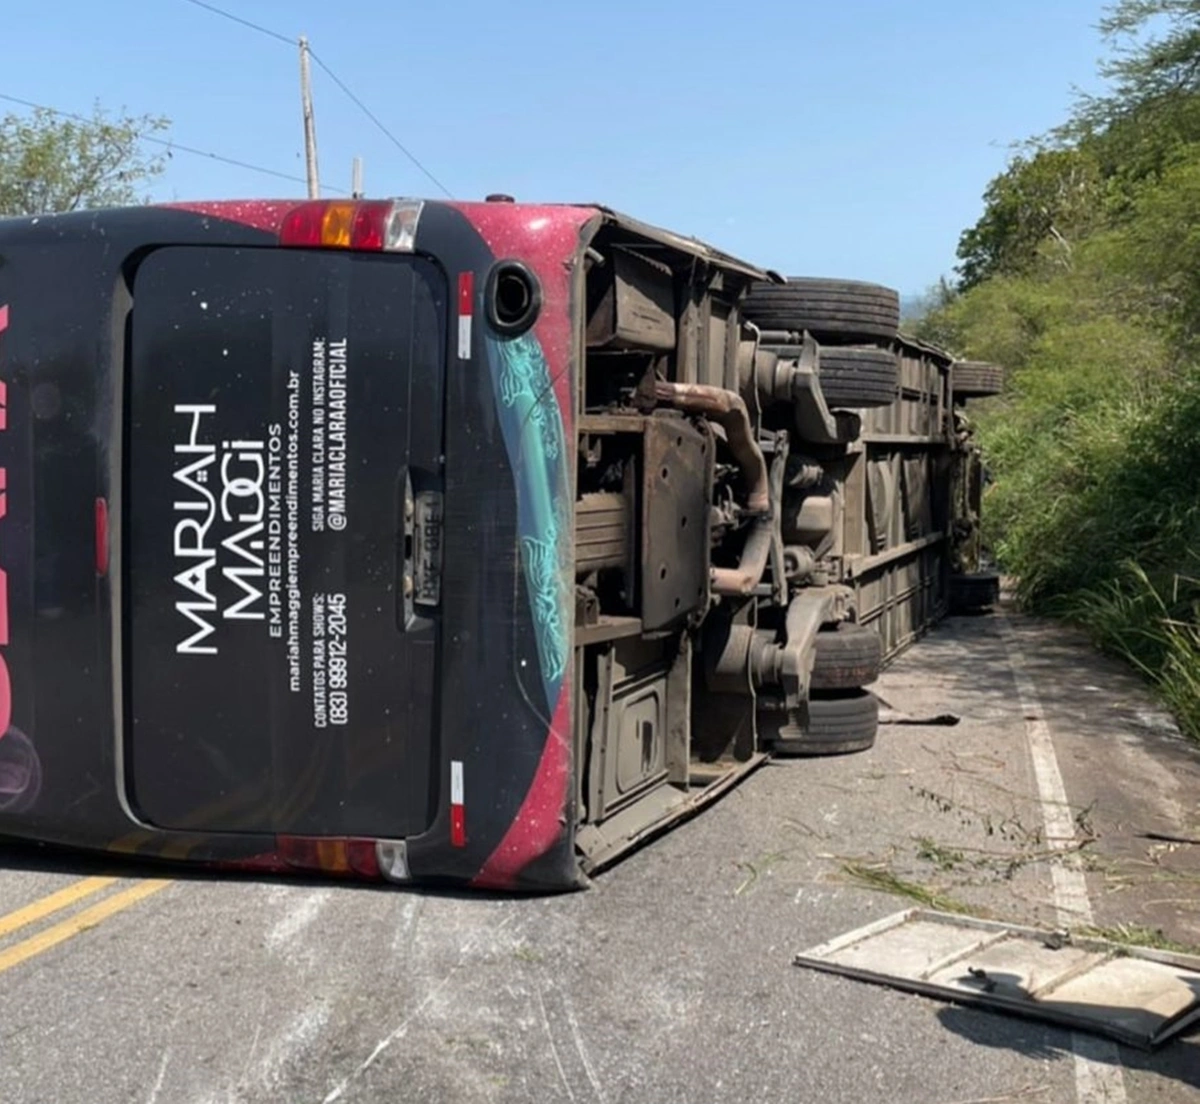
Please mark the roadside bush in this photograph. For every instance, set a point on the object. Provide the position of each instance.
(1081, 277)
(1094, 457)
(1096, 510)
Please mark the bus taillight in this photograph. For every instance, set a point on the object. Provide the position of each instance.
(370, 225)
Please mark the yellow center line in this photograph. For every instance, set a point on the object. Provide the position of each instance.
(52, 903)
(80, 922)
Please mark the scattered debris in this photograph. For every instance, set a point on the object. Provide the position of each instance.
(1010, 828)
(890, 716)
(1119, 989)
(1167, 837)
(760, 866)
(877, 876)
(1133, 935)
(943, 857)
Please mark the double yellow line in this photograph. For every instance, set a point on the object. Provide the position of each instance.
(79, 922)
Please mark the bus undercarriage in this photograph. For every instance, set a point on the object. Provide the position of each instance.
(774, 494)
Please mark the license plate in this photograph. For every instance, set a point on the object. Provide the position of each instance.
(427, 549)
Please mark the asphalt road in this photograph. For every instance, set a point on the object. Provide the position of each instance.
(671, 979)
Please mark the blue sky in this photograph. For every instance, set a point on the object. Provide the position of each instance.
(849, 138)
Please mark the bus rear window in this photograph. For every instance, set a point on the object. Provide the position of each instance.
(279, 404)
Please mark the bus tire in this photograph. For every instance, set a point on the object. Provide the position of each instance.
(974, 593)
(847, 657)
(839, 722)
(853, 377)
(858, 378)
(976, 379)
(842, 310)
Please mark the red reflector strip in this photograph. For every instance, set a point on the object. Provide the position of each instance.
(466, 308)
(3, 318)
(101, 537)
(458, 813)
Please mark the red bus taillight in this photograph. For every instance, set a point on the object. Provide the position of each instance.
(370, 226)
(375, 225)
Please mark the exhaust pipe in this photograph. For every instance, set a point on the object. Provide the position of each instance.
(740, 581)
(728, 410)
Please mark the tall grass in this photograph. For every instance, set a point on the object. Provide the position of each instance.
(1098, 514)
(1155, 629)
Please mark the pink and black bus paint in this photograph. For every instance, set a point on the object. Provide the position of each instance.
(430, 542)
(152, 361)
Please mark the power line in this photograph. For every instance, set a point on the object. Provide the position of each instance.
(333, 77)
(387, 133)
(244, 22)
(169, 144)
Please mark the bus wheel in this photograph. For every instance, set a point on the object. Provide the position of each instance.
(846, 658)
(975, 593)
(839, 722)
(853, 377)
(976, 379)
(842, 311)
(857, 378)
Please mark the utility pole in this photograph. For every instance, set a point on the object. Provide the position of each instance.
(310, 129)
(356, 179)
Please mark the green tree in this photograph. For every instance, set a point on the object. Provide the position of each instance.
(1090, 172)
(1156, 59)
(1151, 110)
(1046, 195)
(51, 162)
(1158, 246)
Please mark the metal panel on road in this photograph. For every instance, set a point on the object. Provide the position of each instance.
(1132, 994)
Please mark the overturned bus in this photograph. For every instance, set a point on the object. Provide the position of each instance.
(444, 541)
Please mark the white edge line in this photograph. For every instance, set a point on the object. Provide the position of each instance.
(1098, 1075)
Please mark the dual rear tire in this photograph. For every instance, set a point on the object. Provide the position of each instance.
(855, 324)
(838, 723)
(841, 717)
